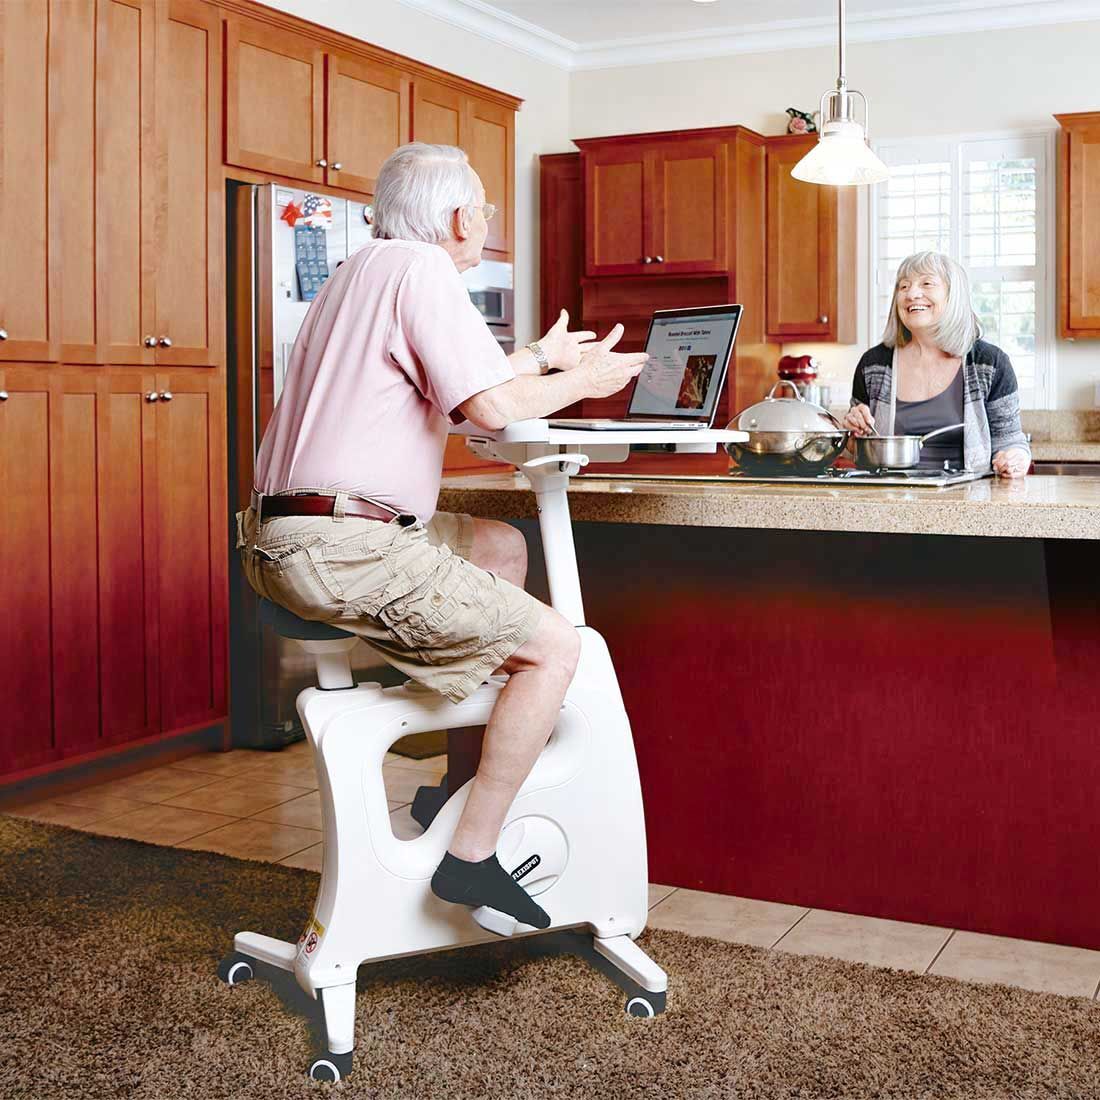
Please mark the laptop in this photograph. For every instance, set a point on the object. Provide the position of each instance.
(678, 389)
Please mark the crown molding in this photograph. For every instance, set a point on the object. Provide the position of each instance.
(503, 27)
(790, 34)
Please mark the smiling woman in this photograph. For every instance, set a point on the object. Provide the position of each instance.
(933, 370)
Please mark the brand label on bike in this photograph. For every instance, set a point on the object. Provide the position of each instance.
(526, 867)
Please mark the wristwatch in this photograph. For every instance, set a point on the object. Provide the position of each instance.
(535, 348)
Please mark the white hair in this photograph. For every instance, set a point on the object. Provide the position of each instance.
(419, 188)
(958, 327)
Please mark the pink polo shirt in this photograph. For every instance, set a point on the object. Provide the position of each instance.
(391, 346)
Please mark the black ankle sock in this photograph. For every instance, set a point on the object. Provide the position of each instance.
(486, 883)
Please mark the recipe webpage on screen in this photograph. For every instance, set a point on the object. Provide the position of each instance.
(684, 357)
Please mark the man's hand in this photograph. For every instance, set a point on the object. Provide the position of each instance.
(608, 371)
(1015, 462)
(562, 347)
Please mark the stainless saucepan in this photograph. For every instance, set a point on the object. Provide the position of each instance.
(895, 452)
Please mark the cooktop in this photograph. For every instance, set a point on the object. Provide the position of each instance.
(835, 475)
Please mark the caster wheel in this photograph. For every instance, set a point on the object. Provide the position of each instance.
(330, 1067)
(235, 968)
(646, 1004)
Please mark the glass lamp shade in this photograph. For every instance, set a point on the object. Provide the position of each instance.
(840, 157)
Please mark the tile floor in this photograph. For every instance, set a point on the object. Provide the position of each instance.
(260, 805)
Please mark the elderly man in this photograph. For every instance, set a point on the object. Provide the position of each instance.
(347, 479)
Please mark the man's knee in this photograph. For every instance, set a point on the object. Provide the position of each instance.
(561, 642)
(502, 549)
(554, 647)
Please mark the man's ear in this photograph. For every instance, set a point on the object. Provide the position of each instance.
(460, 223)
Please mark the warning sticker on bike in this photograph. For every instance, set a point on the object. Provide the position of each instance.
(310, 939)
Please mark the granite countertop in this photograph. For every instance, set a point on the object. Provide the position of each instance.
(1033, 507)
(1065, 450)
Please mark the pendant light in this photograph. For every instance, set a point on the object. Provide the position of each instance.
(841, 155)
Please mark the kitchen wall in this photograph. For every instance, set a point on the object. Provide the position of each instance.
(542, 124)
(963, 84)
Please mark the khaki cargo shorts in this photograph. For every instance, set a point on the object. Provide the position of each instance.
(409, 592)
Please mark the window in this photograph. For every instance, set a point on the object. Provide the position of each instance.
(986, 203)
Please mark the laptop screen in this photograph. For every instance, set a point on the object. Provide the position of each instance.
(689, 351)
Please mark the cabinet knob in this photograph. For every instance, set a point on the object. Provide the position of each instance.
(823, 319)
(658, 259)
(322, 163)
(166, 395)
(336, 166)
(647, 259)
(3, 395)
(150, 341)
(165, 341)
(151, 396)
(3, 333)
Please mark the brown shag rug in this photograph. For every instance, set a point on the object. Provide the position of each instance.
(108, 990)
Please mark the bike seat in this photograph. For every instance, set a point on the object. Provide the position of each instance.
(289, 625)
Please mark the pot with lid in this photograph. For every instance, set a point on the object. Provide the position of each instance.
(787, 434)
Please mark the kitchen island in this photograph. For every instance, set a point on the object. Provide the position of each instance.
(871, 700)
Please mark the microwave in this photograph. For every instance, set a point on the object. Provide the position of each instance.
(494, 303)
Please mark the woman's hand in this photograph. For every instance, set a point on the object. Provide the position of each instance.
(1014, 462)
(562, 347)
(859, 421)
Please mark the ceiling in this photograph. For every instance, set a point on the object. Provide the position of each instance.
(587, 21)
(595, 34)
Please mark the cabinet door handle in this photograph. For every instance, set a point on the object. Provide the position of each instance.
(658, 259)
(151, 396)
(823, 319)
(3, 333)
(3, 395)
(647, 259)
(166, 395)
(165, 341)
(336, 166)
(150, 341)
(322, 163)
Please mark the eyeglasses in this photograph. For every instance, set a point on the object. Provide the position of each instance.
(488, 210)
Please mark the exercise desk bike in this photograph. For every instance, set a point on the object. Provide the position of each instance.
(575, 832)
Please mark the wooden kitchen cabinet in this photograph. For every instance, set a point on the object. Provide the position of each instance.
(115, 555)
(437, 113)
(27, 300)
(126, 500)
(615, 225)
(445, 116)
(1078, 214)
(274, 101)
(368, 117)
(191, 517)
(26, 688)
(811, 251)
(489, 140)
(656, 207)
(135, 182)
(561, 238)
(189, 203)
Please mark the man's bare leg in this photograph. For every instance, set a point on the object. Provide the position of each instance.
(540, 672)
(501, 549)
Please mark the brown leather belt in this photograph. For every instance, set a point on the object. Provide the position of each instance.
(304, 504)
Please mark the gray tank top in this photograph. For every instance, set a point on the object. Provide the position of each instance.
(921, 417)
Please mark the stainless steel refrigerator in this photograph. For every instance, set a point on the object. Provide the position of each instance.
(270, 282)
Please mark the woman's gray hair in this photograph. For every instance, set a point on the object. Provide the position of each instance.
(958, 327)
(419, 188)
